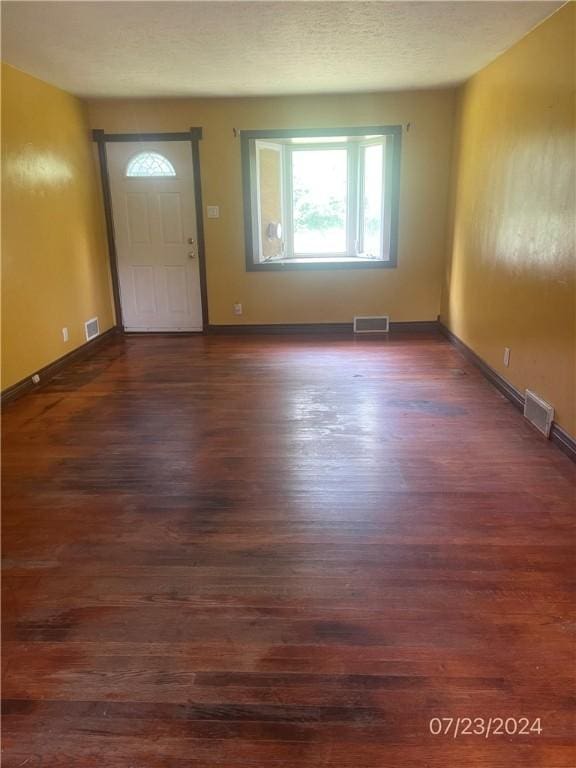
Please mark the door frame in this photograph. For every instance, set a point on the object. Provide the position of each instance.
(194, 135)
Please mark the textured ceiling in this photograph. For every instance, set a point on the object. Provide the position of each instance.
(252, 48)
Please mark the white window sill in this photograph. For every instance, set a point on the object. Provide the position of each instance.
(320, 262)
(324, 260)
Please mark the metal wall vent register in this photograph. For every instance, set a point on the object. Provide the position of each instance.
(92, 328)
(538, 412)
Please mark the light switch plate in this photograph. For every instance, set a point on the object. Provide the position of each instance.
(213, 211)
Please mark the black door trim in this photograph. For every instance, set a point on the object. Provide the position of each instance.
(193, 136)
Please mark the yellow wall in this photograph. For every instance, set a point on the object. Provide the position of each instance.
(511, 273)
(54, 254)
(409, 292)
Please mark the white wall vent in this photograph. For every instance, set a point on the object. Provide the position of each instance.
(92, 328)
(372, 324)
(538, 412)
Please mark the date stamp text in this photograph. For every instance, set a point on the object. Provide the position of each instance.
(485, 727)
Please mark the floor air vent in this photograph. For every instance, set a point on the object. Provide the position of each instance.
(92, 328)
(371, 324)
(538, 412)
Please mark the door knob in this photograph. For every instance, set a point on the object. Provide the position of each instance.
(191, 255)
(191, 241)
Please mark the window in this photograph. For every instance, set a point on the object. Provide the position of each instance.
(317, 199)
(150, 164)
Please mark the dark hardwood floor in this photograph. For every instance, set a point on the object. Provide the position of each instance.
(283, 552)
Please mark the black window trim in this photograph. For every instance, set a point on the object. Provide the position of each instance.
(392, 191)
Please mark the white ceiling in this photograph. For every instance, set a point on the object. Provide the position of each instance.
(258, 48)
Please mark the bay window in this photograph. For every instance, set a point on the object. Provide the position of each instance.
(321, 198)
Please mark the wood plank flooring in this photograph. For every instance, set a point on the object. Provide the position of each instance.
(283, 552)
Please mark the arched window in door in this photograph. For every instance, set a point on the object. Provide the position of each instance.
(150, 164)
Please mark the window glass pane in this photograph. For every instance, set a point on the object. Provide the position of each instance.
(319, 184)
(150, 164)
(372, 224)
(270, 193)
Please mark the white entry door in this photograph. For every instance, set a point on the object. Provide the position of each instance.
(152, 187)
